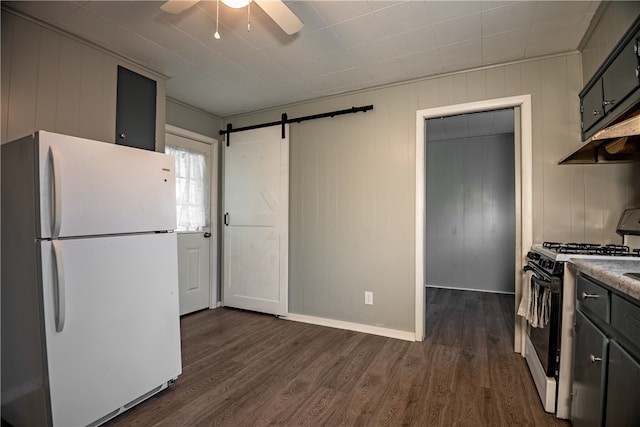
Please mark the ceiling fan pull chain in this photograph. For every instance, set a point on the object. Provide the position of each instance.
(216, 35)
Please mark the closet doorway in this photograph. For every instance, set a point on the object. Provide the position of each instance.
(470, 202)
(522, 143)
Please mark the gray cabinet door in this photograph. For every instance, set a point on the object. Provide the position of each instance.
(623, 399)
(589, 374)
(592, 109)
(620, 79)
(136, 110)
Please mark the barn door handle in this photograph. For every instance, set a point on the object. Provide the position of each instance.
(226, 219)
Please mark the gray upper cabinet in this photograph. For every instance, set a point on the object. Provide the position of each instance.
(136, 110)
(620, 79)
(613, 89)
(592, 108)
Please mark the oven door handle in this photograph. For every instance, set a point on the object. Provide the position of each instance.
(553, 284)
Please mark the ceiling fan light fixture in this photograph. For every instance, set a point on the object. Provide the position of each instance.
(236, 4)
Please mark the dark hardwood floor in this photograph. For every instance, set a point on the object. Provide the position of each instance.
(248, 369)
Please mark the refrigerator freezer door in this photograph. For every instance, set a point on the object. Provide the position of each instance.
(90, 188)
(121, 334)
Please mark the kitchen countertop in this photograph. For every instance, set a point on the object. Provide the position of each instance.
(611, 273)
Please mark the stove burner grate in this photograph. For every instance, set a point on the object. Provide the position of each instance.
(591, 249)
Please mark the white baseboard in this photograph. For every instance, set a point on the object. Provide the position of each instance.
(350, 326)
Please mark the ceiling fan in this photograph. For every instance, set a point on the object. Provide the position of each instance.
(275, 9)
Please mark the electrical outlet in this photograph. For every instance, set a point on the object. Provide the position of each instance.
(368, 297)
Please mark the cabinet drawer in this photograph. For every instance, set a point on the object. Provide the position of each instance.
(625, 318)
(593, 297)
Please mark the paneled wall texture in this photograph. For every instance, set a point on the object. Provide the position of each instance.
(352, 178)
(53, 82)
(470, 217)
(352, 185)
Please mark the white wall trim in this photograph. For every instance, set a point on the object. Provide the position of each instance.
(524, 236)
(350, 326)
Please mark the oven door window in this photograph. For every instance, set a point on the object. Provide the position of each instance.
(546, 340)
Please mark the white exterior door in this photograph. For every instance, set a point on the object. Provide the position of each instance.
(194, 274)
(196, 184)
(256, 221)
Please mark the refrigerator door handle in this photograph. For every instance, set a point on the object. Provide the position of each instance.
(60, 288)
(56, 172)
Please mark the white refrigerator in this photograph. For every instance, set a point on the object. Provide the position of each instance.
(90, 323)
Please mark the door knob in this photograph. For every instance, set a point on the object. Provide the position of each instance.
(207, 235)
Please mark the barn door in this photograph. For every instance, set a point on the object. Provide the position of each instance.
(256, 219)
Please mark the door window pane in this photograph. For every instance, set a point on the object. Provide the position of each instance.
(192, 178)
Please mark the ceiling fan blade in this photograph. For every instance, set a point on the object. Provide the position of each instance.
(281, 15)
(176, 7)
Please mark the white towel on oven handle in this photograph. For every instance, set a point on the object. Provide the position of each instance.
(526, 303)
(535, 304)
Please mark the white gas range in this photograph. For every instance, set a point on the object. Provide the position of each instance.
(548, 348)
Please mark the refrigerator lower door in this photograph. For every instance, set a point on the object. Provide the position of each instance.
(111, 322)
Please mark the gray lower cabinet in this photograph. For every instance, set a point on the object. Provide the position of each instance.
(590, 360)
(623, 388)
(606, 358)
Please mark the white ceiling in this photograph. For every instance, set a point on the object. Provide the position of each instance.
(344, 45)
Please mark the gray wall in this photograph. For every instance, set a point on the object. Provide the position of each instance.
(352, 185)
(187, 117)
(53, 81)
(470, 213)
